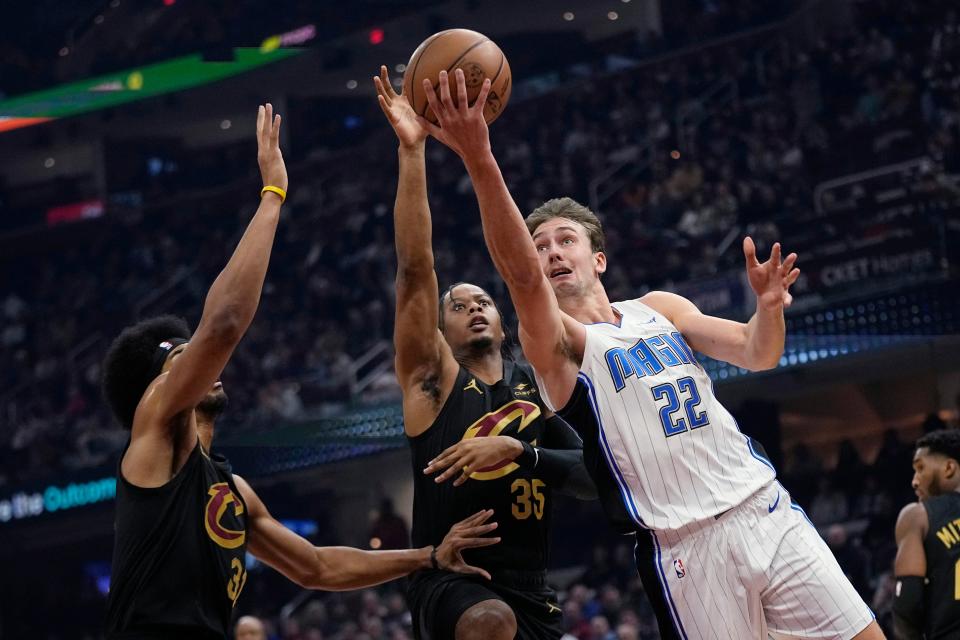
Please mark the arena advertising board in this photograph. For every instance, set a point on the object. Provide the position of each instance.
(892, 260)
(55, 498)
(133, 84)
(836, 273)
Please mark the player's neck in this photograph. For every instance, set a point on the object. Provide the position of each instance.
(589, 307)
(486, 365)
(205, 430)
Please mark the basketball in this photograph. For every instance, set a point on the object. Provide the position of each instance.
(476, 54)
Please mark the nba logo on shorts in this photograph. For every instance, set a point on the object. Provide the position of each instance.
(678, 567)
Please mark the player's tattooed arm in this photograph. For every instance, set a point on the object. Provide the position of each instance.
(425, 365)
(346, 568)
(544, 329)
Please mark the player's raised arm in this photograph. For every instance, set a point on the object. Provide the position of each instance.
(755, 345)
(548, 338)
(344, 568)
(424, 363)
(232, 300)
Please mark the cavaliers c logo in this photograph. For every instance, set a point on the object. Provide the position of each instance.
(220, 498)
(493, 424)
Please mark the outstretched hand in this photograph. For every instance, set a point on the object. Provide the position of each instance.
(770, 280)
(273, 171)
(399, 112)
(473, 454)
(466, 534)
(462, 127)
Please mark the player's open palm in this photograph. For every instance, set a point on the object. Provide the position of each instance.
(462, 126)
(273, 171)
(399, 112)
(466, 534)
(770, 280)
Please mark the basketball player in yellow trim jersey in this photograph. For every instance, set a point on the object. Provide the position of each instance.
(183, 520)
(927, 567)
(476, 416)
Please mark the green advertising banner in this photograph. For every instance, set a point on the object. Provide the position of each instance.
(127, 86)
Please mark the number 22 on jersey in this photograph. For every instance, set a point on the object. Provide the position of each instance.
(681, 410)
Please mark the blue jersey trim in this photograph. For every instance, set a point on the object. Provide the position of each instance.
(754, 453)
(749, 440)
(796, 507)
(608, 454)
(666, 589)
(618, 325)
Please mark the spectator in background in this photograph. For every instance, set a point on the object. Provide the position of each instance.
(805, 471)
(933, 422)
(871, 501)
(599, 567)
(249, 628)
(829, 506)
(852, 559)
(574, 622)
(850, 468)
(893, 463)
(389, 528)
(627, 631)
(600, 629)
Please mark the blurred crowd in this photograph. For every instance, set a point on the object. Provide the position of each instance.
(880, 90)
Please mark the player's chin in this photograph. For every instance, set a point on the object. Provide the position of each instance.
(482, 341)
(215, 402)
(565, 286)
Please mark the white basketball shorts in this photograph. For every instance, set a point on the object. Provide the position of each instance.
(759, 568)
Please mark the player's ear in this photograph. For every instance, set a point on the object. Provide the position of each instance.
(601, 261)
(950, 469)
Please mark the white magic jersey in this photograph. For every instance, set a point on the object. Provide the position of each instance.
(676, 454)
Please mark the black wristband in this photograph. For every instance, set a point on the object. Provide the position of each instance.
(908, 605)
(433, 558)
(529, 458)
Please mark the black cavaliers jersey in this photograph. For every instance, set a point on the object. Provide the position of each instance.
(178, 558)
(942, 548)
(521, 501)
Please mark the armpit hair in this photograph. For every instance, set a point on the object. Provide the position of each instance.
(566, 350)
(430, 385)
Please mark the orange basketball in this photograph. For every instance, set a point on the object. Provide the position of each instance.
(476, 54)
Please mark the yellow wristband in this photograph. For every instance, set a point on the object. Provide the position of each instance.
(277, 190)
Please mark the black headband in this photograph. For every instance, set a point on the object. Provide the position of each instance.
(160, 355)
